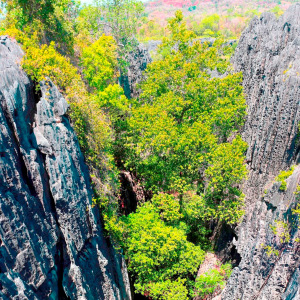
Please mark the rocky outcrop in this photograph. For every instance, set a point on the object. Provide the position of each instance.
(52, 244)
(137, 63)
(211, 262)
(268, 54)
(269, 247)
(132, 193)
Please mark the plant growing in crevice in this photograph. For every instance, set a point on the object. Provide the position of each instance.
(296, 213)
(281, 232)
(212, 281)
(283, 176)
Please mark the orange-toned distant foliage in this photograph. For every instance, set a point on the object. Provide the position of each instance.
(234, 15)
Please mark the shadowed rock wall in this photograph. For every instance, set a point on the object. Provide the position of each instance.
(268, 54)
(137, 63)
(52, 244)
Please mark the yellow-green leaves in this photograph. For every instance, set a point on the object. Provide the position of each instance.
(177, 140)
(45, 61)
(99, 62)
(283, 176)
(211, 280)
(178, 130)
(51, 19)
(225, 172)
(167, 290)
(168, 207)
(158, 252)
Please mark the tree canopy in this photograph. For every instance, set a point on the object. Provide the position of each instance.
(181, 139)
(179, 128)
(180, 136)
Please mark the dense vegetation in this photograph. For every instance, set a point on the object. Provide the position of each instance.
(206, 18)
(180, 137)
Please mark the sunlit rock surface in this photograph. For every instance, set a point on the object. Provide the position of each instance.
(268, 54)
(52, 244)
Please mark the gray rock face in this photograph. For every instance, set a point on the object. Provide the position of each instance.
(52, 244)
(138, 61)
(268, 54)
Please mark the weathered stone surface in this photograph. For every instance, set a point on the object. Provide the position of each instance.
(138, 61)
(52, 244)
(132, 193)
(263, 276)
(268, 54)
(211, 262)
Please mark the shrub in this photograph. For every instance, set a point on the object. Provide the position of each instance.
(158, 253)
(283, 175)
(92, 126)
(99, 62)
(212, 280)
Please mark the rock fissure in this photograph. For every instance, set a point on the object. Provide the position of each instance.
(272, 89)
(46, 214)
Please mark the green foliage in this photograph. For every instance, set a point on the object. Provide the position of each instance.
(120, 19)
(209, 26)
(178, 129)
(50, 18)
(277, 11)
(151, 31)
(179, 137)
(270, 250)
(214, 279)
(168, 290)
(207, 283)
(225, 172)
(297, 192)
(283, 175)
(99, 62)
(157, 252)
(45, 61)
(176, 139)
(113, 101)
(296, 211)
(168, 207)
(281, 230)
(195, 215)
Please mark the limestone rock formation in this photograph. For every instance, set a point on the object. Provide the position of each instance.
(138, 61)
(268, 54)
(52, 245)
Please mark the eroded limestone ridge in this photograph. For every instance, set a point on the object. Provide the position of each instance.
(268, 54)
(51, 240)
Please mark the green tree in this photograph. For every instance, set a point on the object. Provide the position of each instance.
(99, 62)
(209, 26)
(118, 18)
(51, 19)
(212, 280)
(225, 172)
(179, 128)
(159, 255)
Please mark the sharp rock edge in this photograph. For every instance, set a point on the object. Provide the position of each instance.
(268, 54)
(52, 244)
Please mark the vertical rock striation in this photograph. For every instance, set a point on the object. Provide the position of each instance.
(52, 244)
(268, 54)
(137, 63)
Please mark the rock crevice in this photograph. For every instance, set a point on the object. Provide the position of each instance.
(268, 55)
(52, 242)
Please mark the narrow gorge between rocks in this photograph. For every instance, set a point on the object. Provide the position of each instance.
(53, 244)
